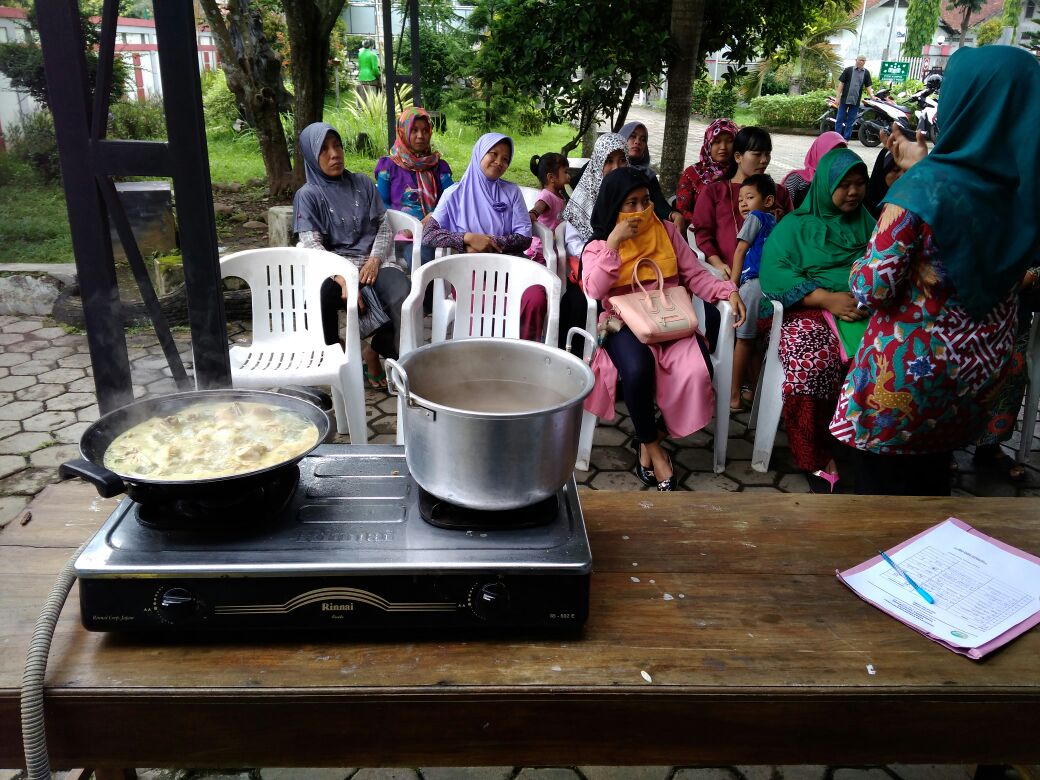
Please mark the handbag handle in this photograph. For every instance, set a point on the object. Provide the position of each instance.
(665, 303)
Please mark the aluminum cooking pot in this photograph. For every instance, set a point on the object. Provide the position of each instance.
(95, 440)
(491, 424)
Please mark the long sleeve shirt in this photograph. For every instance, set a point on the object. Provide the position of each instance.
(435, 235)
(382, 245)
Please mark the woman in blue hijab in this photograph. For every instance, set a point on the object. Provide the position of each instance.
(940, 277)
(342, 212)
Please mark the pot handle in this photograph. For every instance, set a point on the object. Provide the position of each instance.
(397, 381)
(585, 335)
(107, 483)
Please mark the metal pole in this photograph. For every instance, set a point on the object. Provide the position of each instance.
(859, 35)
(413, 31)
(390, 78)
(891, 28)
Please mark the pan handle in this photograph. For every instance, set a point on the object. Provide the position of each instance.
(107, 483)
(311, 395)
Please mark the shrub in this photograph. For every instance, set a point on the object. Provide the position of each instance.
(529, 121)
(701, 95)
(135, 121)
(34, 142)
(721, 103)
(218, 102)
(790, 111)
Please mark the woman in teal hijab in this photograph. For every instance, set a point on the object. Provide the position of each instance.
(956, 234)
(805, 266)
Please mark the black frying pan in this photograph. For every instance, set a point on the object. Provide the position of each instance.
(97, 437)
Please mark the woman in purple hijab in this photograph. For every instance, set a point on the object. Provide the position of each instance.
(484, 213)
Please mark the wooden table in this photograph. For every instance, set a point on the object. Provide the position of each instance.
(757, 654)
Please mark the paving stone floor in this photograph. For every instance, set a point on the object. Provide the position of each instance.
(47, 401)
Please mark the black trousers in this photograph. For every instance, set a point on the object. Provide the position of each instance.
(391, 287)
(901, 475)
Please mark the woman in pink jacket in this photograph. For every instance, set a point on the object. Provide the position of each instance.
(674, 374)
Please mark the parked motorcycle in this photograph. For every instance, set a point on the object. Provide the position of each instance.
(927, 105)
(879, 113)
(828, 119)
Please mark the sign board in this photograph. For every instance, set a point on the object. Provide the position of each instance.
(894, 71)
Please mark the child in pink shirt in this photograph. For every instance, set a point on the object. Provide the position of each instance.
(553, 174)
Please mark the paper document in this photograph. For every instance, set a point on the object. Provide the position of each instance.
(986, 592)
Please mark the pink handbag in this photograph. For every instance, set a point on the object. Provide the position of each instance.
(664, 314)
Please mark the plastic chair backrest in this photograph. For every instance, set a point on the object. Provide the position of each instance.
(285, 287)
(400, 221)
(488, 288)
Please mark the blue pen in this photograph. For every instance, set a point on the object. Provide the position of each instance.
(924, 594)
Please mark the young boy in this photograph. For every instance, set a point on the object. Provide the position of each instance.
(755, 199)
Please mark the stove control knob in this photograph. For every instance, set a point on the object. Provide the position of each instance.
(490, 600)
(177, 604)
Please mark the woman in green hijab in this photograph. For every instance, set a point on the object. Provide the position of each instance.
(955, 236)
(805, 266)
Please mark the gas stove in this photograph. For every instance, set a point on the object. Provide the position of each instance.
(353, 544)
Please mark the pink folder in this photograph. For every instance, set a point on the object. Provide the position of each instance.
(977, 652)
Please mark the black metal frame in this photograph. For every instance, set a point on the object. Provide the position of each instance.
(88, 163)
(390, 73)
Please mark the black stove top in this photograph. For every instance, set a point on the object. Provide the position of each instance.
(345, 547)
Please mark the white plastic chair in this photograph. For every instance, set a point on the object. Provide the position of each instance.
(691, 239)
(1033, 393)
(400, 221)
(541, 232)
(488, 288)
(722, 380)
(588, 419)
(288, 342)
(769, 400)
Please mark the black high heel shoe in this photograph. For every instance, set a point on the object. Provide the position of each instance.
(646, 476)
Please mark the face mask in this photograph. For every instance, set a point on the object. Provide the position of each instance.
(646, 214)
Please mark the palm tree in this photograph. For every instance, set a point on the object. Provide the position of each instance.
(812, 48)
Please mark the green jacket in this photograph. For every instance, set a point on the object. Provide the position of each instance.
(368, 65)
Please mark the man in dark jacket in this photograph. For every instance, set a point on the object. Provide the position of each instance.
(853, 81)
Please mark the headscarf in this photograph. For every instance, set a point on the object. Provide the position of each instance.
(346, 209)
(979, 189)
(707, 169)
(422, 165)
(816, 245)
(643, 163)
(877, 186)
(823, 144)
(652, 239)
(579, 209)
(477, 204)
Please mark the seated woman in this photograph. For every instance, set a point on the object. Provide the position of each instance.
(957, 233)
(484, 213)
(341, 212)
(806, 266)
(797, 181)
(675, 374)
(610, 152)
(716, 156)
(636, 137)
(413, 176)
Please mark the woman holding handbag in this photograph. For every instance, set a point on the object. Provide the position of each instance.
(674, 374)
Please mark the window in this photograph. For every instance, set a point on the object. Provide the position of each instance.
(1030, 9)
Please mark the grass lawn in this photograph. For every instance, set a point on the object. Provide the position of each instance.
(34, 224)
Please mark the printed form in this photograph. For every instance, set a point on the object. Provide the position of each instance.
(982, 589)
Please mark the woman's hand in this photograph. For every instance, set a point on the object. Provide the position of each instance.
(677, 219)
(716, 262)
(623, 230)
(369, 271)
(906, 152)
(739, 309)
(478, 242)
(843, 307)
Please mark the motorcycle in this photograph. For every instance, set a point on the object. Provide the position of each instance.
(827, 120)
(880, 113)
(927, 105)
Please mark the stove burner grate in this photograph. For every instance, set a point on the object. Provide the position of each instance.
(443, 514)
(235, 512)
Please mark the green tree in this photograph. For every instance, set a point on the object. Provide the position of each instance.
(570, 66)
(1012, 13)
(989, 32)
(810, 51)
(922, 20)
(966, 8)
(747, 29)
(442, 57)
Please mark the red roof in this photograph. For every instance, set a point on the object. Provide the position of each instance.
(11, 13)
(952, 19)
